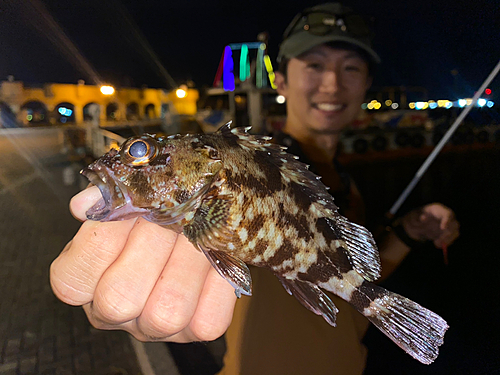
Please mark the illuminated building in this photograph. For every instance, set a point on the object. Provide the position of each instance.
(55, 103)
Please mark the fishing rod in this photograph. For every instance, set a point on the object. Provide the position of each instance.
(395, 207)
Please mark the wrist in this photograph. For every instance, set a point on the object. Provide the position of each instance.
(400, 232)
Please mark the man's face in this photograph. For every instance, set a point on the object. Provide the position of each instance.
(324, 90)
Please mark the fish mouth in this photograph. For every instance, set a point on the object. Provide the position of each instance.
(115, 203)
(103, 207)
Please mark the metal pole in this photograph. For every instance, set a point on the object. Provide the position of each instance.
(441, 143)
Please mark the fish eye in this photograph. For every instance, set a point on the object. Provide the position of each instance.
(139, 151)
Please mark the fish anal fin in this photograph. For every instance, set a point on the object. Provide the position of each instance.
(312, 297)
(232, 269)
(361, 247)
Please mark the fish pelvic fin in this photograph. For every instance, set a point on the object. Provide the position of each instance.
(312, 297)
(415, 329)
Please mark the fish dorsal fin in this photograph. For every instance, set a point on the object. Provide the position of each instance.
(312, 297)
(361, 247)
(224, 129)
(290, 167)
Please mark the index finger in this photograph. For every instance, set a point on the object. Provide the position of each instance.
(75, 273)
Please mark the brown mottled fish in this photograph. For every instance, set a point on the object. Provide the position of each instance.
(241, 199)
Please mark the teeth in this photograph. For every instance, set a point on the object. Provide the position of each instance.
(329, 106)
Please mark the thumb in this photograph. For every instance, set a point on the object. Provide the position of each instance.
(81, 202)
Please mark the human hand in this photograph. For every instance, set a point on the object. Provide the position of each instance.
(136, 276)
(434, 222)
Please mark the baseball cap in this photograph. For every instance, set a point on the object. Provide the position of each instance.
(329, 22)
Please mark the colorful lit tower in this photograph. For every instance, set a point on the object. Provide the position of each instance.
(245, 57)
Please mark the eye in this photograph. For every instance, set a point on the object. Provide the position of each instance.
(139, 151)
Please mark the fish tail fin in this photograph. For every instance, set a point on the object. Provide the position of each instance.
(415, 329)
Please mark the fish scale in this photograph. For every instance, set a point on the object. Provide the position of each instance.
(242, 200)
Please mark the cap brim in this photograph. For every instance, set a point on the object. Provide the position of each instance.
(304, 41)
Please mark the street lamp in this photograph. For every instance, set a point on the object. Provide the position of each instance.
(181, 92)
(107, 90)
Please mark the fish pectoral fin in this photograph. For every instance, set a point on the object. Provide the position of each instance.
(361, 247)
(166, 216)
(209, 224)
(209, 231)
(312, 297)
(232, 269)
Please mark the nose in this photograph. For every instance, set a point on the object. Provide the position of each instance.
(331, 82)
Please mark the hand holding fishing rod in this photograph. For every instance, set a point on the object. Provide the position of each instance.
(436, 221)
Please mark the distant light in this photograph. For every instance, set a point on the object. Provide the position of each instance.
(29, 117)
(420, 105)
(280, 99)
(489, 104)
(364, 106)
(411, 105)
(394, 105)
(469, 101)
(448, 105)
(65, 111)
(227, 70)
(244, 63)
(433, 105)
(487, 91)
(180, 93)
(462, 102)
(388, 102)
(369, 106)
(377, 105)
(442, 103)
(107, 90)
(481, 102)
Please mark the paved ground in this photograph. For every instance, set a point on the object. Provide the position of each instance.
(38, 333)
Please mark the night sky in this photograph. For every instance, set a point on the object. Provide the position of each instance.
(420, 42)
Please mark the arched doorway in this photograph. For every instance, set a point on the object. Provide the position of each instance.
(112, 112)
(65, 113)
(132, 111)
(34, 112)
(7, 117)
(149, 111)
(90, 110)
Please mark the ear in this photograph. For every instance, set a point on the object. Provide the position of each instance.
(280, 83)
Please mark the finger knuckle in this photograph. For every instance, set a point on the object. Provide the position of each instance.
(114, 305)
(208, 330)
(167, 317)
(67, 288)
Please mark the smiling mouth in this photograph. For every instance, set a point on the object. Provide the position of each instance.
(329, 107)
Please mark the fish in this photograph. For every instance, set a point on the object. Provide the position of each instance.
(243, 200)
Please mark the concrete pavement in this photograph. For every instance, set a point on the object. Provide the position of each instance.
(38, 333)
